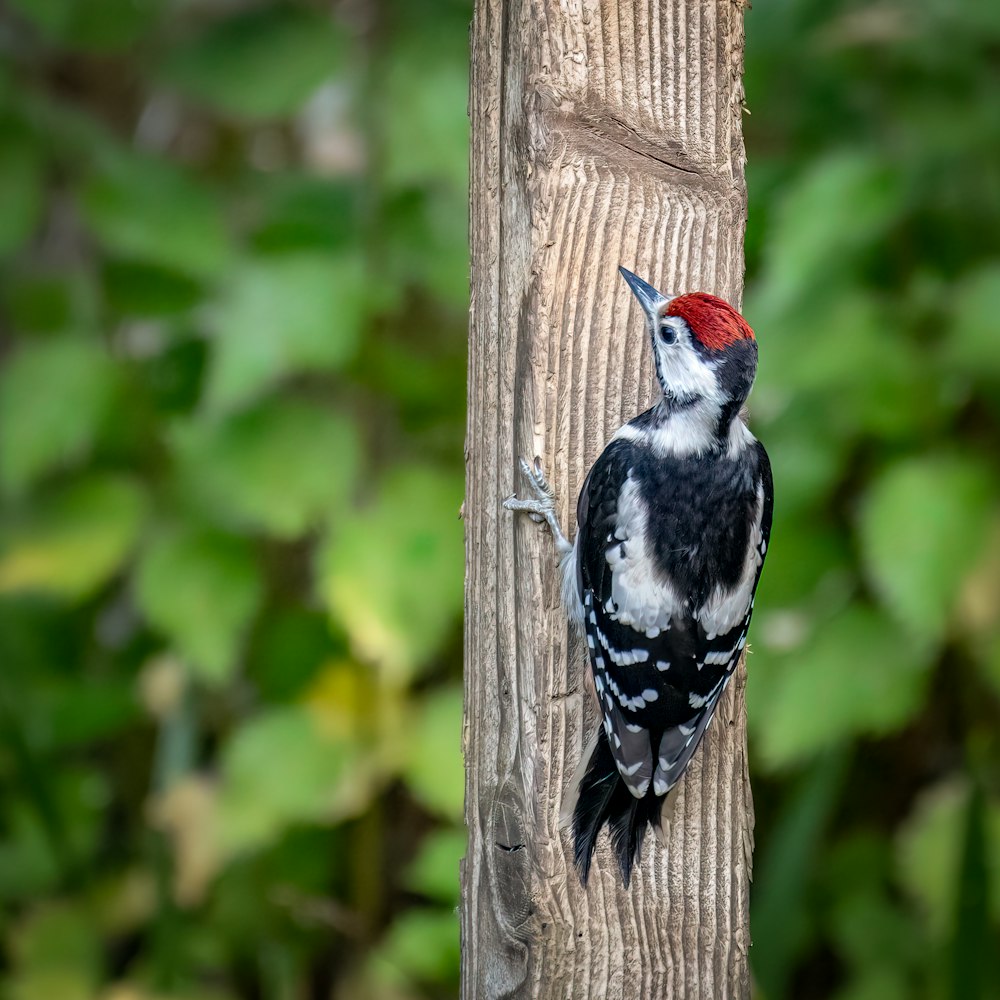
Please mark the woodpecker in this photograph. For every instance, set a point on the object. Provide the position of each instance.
(673, 524)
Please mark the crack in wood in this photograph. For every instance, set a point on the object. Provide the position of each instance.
(609, 139)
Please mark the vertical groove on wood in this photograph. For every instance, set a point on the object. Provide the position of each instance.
(603, 132)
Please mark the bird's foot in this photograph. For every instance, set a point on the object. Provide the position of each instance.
(542, 508)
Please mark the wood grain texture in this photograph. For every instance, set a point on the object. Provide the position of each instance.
(602, 133)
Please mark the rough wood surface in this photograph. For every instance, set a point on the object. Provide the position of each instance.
(602, 133)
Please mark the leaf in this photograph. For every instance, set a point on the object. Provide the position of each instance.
(870, 925)
(970, 931)
(48, 301)
(54, 396)
(22, 193)
(73, 541)
(137, 289)
(282, 767)
(810, 242)
(146, 209)
(422, 945)
(289, 649)
(434, 871)
(303, 211)
(805, 559)
(201, 588)
(805, 458)
(391, 574)
(427, 241)
(281, 315)
(55, 936)
(281, 466)
(433, 766)
(856, 674)
(780, 917)
(929, 854)
(258, 64)
(922, 525)
(109, 24)
(975, 306)
(427, 127)
(345, 700)
(877, 983)
(53, 821)
(77, 711)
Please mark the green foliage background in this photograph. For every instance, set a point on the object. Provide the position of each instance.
(233, 262)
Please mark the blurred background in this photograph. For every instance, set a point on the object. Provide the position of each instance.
(233, 275)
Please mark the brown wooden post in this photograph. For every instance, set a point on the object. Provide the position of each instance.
(603, 132)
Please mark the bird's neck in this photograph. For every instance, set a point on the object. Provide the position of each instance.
(687, 427)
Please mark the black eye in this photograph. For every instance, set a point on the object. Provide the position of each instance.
(668, 334)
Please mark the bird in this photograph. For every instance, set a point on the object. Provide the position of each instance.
(673, 526)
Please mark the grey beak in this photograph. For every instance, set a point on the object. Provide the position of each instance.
(649, 298)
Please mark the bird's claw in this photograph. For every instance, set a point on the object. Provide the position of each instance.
(543, 507)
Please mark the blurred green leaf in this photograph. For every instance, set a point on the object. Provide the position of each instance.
(288, 650)
(57, 937)
(856, 674)
(434, 871)
(138, 289)
(974, 311)
(929, 851)
(282, 767)
(922, 526)
(54, 396)
(808, 564)
(392, 573)
(824, 348)
(155, 212)
(877, 983)
(48, 301)
(53, 824)
(107, 24)
(29, 867)
(40, 983)
(421, 946)
(426, 128)
(433, 765)
(779, 917)
(281, 315)
(871, 927)
(805, 458)
(304, 212)
(22, 178)
(281, 466)
(81, 710)
(427, 244)
(201, 588)
(837, 206)
(72, 541)
(970, 939)
(257, 64)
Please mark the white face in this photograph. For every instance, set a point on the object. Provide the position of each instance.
(684, 373)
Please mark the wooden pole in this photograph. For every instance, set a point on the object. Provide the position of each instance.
(603, 132)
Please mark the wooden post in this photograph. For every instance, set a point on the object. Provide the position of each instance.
(603, 132)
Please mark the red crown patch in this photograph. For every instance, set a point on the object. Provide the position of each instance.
(712, 320)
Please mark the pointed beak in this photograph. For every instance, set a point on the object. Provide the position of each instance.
(649, 298)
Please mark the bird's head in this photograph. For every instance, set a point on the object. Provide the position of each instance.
(705, 351)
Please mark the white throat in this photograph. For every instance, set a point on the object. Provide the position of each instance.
(688, 420)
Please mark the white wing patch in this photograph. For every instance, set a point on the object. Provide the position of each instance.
(639, 597)
(725, 609)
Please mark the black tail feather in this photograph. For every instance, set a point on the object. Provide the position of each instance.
(605, 798)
